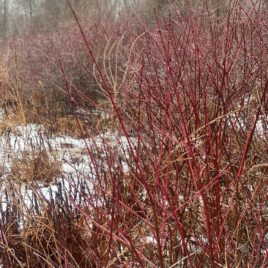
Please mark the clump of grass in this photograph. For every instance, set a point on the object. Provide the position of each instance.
(35, 167)
(54, 238)
(67, 125)
(11, 108)
(9, 122)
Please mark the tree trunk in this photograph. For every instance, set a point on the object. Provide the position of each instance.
(5, 18)
(30, 9)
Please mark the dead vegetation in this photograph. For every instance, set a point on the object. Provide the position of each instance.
(53, 239)
(35, 167)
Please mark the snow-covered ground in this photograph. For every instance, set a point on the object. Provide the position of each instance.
(77, 171)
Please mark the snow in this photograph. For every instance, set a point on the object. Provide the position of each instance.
(262, 126)
(261, 129)
(78, 172)
(148, 240)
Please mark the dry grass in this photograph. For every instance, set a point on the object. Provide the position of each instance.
(36, 167)
(67, 125)
(52, 239)
(11, 108)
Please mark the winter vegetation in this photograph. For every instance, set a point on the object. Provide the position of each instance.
(133, 133)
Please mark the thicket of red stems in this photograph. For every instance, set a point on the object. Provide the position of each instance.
(190, 190)
(36, 58)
